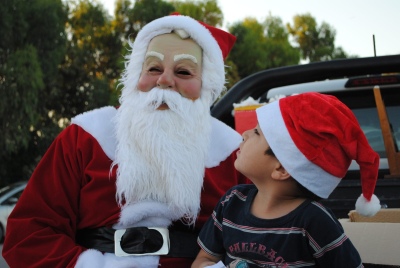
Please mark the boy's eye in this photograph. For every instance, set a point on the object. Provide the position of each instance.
(256, 131)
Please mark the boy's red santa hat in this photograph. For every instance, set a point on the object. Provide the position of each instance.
(215, 43)
(315, 137)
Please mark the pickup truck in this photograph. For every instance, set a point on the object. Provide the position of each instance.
(353, 82)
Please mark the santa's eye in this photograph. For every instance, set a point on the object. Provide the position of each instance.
(183, 72)
(154, 69)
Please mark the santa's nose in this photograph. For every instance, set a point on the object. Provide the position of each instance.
(166, 81)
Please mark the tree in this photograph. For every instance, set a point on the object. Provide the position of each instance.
(92, 65)
(143, 12)
(121, 23)
(339, 53)
(23, 81)
(232, 75)
(207, 11)
(278, 48)
(315, 43)
(248, 52)
(31, 48)
(261, 46)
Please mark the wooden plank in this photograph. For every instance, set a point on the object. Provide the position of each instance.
(391, 153)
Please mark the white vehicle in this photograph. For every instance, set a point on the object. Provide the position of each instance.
(9, 196)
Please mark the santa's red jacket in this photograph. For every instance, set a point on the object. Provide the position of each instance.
(72, 189)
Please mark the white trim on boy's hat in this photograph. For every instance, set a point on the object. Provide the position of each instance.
(308, 174)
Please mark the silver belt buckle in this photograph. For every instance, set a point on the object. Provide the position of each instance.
(163, 250)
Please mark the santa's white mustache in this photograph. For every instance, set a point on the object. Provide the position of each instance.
(152, 99)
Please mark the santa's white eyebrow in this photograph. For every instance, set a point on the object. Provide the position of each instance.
(155, 54)
(185, 57)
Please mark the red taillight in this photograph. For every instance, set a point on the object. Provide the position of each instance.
(373, 81)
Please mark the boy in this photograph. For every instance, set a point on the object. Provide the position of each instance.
(297, 154)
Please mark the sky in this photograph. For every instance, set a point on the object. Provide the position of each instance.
(357, 22)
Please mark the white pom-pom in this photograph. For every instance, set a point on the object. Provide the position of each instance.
(368, 208)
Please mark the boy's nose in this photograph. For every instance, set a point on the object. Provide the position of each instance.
(245, 134)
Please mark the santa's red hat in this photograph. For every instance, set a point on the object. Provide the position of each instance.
(315, 137)
(224, 39)
(214, 42)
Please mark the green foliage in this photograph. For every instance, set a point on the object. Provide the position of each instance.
(232, 75)
(47, 34)
(91, 67)
(121, 23)
(277, 46)
(339, 53)
(207, 11)
(31, 47)
(261, 46)
(13, 26)
(316, 43)
(145, 11)
(20, 97)
(61, 58)
(248, 51)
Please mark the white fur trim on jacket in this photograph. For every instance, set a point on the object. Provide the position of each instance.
(92, 258)
(100, 124)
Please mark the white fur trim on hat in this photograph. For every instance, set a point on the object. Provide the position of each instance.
(213, 76)
(311, 176)
(368, 208)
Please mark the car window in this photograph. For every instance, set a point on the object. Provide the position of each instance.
(362, 103)
(394, 118)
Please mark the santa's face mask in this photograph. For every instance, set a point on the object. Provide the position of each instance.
(161, 152)
(172, 63)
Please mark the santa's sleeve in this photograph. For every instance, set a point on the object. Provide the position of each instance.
(217, 181)
(41, 228)
(220, 173)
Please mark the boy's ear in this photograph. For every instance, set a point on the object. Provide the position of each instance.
(280, 173)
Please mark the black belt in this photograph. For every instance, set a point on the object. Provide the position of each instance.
(140, 240)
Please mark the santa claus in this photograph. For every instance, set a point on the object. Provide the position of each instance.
(131, 187)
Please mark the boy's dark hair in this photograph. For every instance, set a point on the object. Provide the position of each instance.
(305, 192)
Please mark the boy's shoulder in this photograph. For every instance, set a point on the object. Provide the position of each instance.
(240, 191)
(315, 212)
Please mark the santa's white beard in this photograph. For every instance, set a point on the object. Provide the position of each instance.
(161, 153)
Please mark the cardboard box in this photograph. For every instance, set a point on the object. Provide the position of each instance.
(245, 118)
(376, 238)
